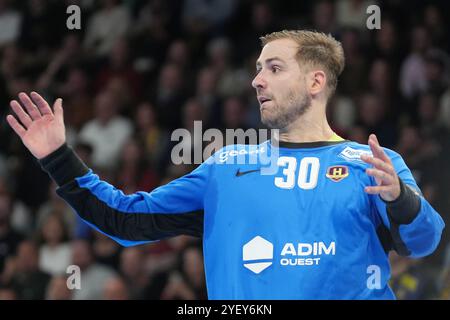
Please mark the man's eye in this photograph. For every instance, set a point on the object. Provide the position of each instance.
(275, 69)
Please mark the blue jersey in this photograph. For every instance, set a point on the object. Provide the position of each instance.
(306, 230)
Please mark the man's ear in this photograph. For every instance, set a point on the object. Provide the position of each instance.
(317, 82)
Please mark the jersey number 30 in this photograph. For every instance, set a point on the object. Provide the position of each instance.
(308, 172)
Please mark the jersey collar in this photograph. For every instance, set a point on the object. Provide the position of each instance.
(315, 144)
(335, 139)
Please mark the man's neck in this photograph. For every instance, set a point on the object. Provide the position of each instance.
(310, 127)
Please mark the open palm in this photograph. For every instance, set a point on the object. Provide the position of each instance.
(41, 130)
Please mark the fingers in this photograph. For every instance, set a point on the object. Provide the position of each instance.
(383, 177)
(29, 105)
(375, 146)
(377, 189)
(16, 126)
(21, 114)
(43, 106)
(379, 164)
(58, 109)
(377, 150)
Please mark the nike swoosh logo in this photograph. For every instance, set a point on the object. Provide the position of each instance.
(240, 173)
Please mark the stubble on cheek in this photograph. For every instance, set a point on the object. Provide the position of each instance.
(293, 105)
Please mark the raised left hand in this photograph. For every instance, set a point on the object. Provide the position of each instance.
(388, 185)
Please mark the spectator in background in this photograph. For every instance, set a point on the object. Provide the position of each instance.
(434, 22)
(381, 82)
(352, 13)
(436, 71)
(57, 289)
(443, 278)
(169, 96)
(150, 133)
(206, 16)
(444, 286)
(358, 134)
(413, 80)
(193, 111)
(93, 275)
(151, 36)
(135, 173)
(387, 44)
(205, 93)
(187, 282)
(372, 115)
(3, 167)
(7, 293)
(162, 259)
(408, 279)
(20, 217)
(55, 253)
(260, 19)
(67, 56)
(234, 114)
(12, 63)
(428, 122)
(41, 18)
(10, 21)
(179, 54)
(341, 111)
(185, 145)
(133, 271)
(324, 17)
(354, 75)
(9, 238)
(77, 96)
(105, 27)
(427, 154)
(55, 206)
(421, 154)
(150, 11)
(120, 66)
(444, 109)
(27, 280)
(106, 251)
(116, 289)
(123, 95)
(231, 81)
(107, 132)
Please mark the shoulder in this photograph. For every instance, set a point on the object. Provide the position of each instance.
(356, 149)
(352, 151)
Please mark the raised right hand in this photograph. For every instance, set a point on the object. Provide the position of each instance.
(41, 130)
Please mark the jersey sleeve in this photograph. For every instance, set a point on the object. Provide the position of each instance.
(420, 235)
(170, 210)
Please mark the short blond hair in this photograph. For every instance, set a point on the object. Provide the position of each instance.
(315, 49)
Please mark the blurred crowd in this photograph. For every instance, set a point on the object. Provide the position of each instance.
(138, 69)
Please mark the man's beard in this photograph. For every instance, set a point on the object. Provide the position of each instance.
(282, 117)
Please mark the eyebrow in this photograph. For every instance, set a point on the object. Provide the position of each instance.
(269, 60)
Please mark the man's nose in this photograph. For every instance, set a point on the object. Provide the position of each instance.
(258, 81)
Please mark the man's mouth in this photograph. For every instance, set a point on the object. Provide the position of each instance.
(263, 99)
